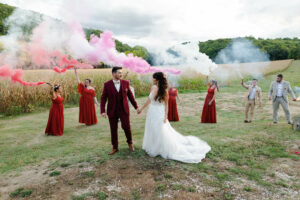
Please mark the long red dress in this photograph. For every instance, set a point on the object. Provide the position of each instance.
(173, 113)
(55, 125)
(209, 114)
(87, 112)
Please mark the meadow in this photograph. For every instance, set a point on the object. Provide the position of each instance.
(247, 161)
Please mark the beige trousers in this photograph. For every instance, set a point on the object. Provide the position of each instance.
(250, 105)
(285, 106)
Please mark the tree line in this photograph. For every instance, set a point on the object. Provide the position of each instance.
(277, 49)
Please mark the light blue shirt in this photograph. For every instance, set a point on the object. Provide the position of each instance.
(252, 93)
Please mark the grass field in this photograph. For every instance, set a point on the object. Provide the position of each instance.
(247, 161)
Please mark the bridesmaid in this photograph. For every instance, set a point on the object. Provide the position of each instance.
(87, 112)
(209, 114)
(55, 125)
(173, 113)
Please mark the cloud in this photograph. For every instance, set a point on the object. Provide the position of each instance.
(158, 22)
(125, 21)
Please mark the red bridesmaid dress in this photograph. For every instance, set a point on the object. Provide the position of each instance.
(173, 113)
(55, 125)
(209, 114)
(87, 112)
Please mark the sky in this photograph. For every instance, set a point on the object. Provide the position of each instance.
(169, 22)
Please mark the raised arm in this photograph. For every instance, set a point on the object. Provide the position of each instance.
(206, 81)
(76, 74)
(244, 85)
(52, 93)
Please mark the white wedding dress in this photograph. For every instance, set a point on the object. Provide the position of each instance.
(161, 139)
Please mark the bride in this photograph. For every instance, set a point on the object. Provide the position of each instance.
(160, 138)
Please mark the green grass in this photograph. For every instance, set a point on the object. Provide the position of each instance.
(55, 173)
(20, 192)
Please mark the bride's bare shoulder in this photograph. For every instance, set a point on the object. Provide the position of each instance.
(154, 88)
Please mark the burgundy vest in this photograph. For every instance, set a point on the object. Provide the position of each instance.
(119, 106)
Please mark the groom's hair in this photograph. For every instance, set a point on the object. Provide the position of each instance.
(115, 69)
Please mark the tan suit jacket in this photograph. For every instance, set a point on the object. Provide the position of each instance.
(258, 93)
(286, 89)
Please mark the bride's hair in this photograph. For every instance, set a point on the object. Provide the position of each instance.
(162, 94)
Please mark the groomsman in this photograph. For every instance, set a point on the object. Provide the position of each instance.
(253, 96)
(278, 92)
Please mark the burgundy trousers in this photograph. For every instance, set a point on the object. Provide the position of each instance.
(125, 122)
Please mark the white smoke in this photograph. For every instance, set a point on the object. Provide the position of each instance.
(185, 57)
(30, 33)
(238, 58)
(19, 22)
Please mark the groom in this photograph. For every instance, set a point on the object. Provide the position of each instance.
(117, 91)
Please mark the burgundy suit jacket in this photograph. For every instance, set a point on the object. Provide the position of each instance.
(110, 92)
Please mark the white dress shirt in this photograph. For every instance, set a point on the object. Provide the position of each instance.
(279, 89)
(117, 84)
(252, 93)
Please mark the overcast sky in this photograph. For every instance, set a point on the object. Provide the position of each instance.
(153, 22)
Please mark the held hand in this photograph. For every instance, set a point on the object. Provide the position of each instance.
(139, 111)
(104, 115)
(165, 121)
(210, 103)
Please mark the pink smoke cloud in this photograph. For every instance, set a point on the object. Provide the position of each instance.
(46, 50)
(103, 49)
(16, 76)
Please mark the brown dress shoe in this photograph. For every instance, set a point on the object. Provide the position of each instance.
(131, 148)
(113, 151)
(246, 121)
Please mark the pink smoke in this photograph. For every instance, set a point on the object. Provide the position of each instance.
(15, 75)
(98, 49)
(105, 51)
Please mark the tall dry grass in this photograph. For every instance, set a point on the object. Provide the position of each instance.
(16, 99)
